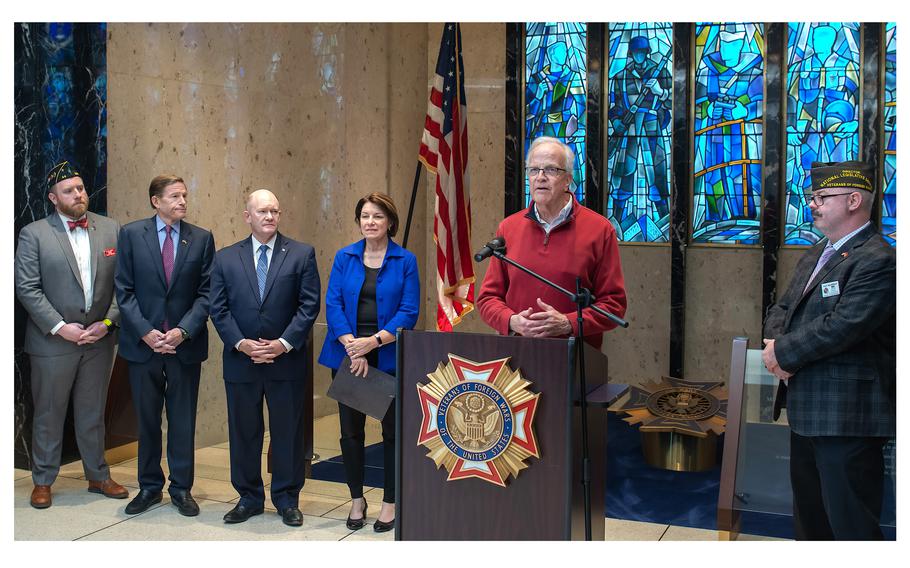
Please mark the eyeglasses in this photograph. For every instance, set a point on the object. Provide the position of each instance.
(819, 200)
(549, 170)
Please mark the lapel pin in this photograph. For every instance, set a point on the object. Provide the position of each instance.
(183, 241)
(284, 250)
(844, 254)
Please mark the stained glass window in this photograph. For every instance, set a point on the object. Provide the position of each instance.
(556, 82)
(729, 93)
(823, 83)
(889, 195)
(639, 130)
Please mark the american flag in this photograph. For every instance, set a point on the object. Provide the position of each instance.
(444, 151)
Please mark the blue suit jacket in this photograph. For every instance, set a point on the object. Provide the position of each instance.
(145, 299)
(397, 299)
(288, 309)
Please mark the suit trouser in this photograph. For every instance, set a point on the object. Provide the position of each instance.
(245, 434)
(838, 482)
(164, 383)
(86, 375)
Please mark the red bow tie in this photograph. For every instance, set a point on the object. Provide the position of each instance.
(80, 223)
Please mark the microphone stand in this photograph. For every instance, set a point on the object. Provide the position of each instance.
(582, 299)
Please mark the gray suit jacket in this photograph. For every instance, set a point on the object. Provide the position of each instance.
(49, 287)
(840, 345)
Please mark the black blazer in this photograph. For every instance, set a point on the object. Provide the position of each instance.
(145, 299)
(288, 309)
(840, 342)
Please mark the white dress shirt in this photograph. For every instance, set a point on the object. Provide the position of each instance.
(82, 250)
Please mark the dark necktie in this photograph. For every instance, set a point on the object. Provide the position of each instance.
(167, 258)
(262, 269)
(80, 223)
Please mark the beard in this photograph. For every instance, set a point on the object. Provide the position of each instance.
(74, 211)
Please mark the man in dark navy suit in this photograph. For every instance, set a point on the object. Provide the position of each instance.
(265, 298)
(831, 339)
(162, 284)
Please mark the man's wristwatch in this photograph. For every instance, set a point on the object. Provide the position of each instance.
(108, 323)
(378, 339)
(184, 333)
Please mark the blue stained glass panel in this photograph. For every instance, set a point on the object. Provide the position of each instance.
(639, 130)
(823, 83)
(889, 183)
(729, 95)
(556, 86)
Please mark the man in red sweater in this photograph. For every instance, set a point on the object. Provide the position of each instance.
(560, 239)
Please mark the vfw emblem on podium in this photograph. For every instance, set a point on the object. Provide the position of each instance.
(478, 419)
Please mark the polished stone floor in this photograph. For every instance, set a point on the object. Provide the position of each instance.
(79, 515)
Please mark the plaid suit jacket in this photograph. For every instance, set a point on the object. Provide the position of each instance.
(841, 348)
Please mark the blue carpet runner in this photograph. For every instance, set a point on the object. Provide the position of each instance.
(635, 490)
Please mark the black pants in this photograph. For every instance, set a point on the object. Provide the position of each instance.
(838, 483)
(352, 447)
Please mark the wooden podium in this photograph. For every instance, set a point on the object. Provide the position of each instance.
(546, 501)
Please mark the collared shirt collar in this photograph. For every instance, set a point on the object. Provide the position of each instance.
(843, 240)
(560, 218)
(270, 244)
(159, 225)
(64, 219)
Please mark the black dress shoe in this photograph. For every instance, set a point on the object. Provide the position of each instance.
(291, 516)
(381, 527)
(143, 501)
(357, 524)
(241, 513)
(185, 504)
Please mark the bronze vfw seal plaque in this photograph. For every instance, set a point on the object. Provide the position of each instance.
(478, 419)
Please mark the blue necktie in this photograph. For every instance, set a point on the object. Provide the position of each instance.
(262, 268)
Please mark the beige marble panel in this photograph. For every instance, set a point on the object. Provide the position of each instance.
(319, 113)
(641, 352)
(723, 301)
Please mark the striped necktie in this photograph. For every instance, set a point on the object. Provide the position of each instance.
(262, 268)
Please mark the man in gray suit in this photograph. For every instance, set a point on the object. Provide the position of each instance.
(831, 340)
(65, 280)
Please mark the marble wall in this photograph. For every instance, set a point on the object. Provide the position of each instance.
(60, 101)
(321, 114)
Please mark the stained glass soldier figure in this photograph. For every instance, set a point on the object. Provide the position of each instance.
(734, 92)
(640, 110)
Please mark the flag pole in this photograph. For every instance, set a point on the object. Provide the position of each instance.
(407, 227)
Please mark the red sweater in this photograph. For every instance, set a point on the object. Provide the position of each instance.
(584, 245)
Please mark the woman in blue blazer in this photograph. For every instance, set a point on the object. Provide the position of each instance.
(373, 290)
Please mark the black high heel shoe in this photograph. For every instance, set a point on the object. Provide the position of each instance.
(357, 524)
(382, 527)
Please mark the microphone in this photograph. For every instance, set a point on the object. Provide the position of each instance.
(497, 244)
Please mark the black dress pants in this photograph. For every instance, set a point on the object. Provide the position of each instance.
(352, 447)
(838, 482)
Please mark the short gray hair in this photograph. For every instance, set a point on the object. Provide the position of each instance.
(570, 155)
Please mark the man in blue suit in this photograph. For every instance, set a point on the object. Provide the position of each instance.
(265, 298)
(162, 284)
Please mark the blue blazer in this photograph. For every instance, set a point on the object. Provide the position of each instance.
(145, 300)
(288, 309)
(397, 299)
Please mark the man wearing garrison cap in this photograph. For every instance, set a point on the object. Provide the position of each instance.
(830, 339)
(64, 276)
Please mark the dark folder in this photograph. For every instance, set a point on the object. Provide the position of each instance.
(371, 395)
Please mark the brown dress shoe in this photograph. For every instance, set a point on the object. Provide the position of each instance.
(108, 488)
(41, 497)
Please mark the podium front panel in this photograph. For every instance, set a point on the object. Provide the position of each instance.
(539, 504)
